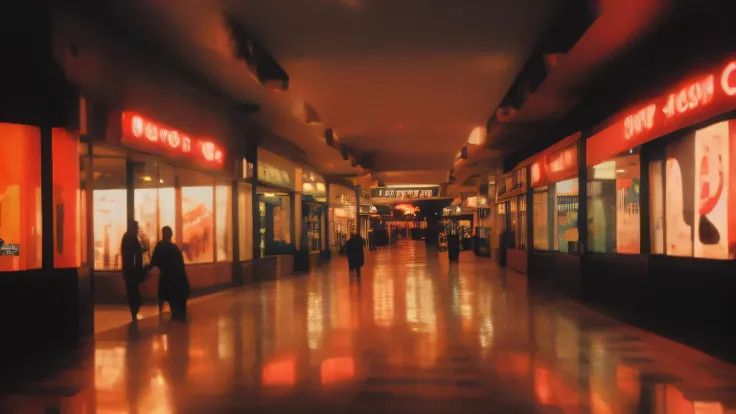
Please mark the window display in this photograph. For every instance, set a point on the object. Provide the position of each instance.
(67, 231)
(566, 207)
(224, 222)
(697, 199)
(522, 222)
(109, 207)
(613, 205)
(245, 222)
(656, 206)
(154, 203)
(541, 218)
(20, 198)
(197, 224)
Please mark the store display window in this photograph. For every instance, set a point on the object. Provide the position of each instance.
(20, 199)
(109, 207)
(67, 199)
(613, 205)
(521, 228)
(697, 193)
(556, 216)
(154, 203)
(224, 221)
(197, 218)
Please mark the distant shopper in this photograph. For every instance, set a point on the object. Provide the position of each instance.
(132, 256)
(173, 285)
(354, 248)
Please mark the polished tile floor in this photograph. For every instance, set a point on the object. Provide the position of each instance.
(416, 334)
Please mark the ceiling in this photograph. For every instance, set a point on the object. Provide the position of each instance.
(403, 82)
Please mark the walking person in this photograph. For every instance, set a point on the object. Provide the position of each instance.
(354, 248)
(173, 285)
(132, 256)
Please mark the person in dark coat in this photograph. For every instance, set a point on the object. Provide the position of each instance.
(132, 257)
(354, 248)
(173, 285)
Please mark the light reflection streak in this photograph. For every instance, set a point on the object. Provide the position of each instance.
(383, 300)
(315, 318)
(109, 367)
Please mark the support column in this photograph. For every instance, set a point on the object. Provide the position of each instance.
(256, 213)
(47, 199)
(582, 199)
(292, 222)
(357, 211)
(326, 220)
(130, 195)
(529, 221)
(237, 270)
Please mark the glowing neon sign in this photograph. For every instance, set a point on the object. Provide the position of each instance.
(690, 102)
(142, 131)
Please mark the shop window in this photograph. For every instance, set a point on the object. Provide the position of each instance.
(245, 222)
(224, 221)
(20, 198)
(697, 197)
(541, 219)
(109, 208)
(154, 203)
(313, 223)
(613, 205)
(566, 209)
(197, 220)
(66, 193)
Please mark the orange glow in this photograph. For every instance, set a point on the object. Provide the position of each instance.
(335, 370)
(281, 373)
(139, 130)
(690, 102)
(65, 153)
(20, 197)
(407, 209)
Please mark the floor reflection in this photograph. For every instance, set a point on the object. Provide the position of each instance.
(414, 333)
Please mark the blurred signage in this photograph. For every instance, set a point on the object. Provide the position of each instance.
(405, 193)
(554, 167)
(690, 102)
(142, 132)
(511, 184)
(272, 175)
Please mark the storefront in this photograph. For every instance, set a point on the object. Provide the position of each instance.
(342, 215)
(457, 221)
(157, 175)
(511, 219)
(314, 202)
(484, 219)
(662, 233)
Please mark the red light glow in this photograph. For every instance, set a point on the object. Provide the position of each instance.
(689, 103)
(407, 209)
(335, 370)
(279, 373)
(139, 130)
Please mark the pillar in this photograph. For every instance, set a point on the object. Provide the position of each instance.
(256, 213)
(47, 198)
(582, 199)
(529, 220)
(357, 211)
(237, 270)
(292, 222)
(326, 219)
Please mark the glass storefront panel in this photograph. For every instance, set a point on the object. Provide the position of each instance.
(67, 201)
(20, 199)
(224, 221)
(521, 232)
(109, 207)
(566, 207)
(154, 203)
(697, 198)
(656, 206)
(245, 222)
(613, 205)
(541, 217)
(197, 199)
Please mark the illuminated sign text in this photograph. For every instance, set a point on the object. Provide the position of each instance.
(690, 102)
(405, 193)
(155, 135)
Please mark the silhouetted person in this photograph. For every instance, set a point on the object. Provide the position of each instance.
(173, 286)
(354, 249)
(132, 255)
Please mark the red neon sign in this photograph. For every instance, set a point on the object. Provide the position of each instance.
(693, 101)
(142, 131)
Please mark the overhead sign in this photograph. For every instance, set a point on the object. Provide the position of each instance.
(270, 175)
(405, 193)
(690, 102)
(554, 167)
(139, 131)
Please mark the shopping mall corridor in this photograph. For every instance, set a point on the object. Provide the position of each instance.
(416, 334)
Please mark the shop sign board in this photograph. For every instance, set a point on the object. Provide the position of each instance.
(405, 193)
(139, 131)
(692, 101)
